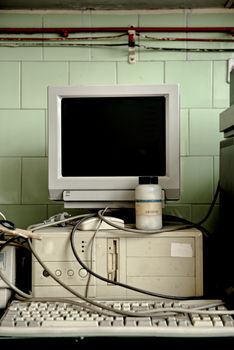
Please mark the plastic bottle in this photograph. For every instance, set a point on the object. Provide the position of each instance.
(148, 204)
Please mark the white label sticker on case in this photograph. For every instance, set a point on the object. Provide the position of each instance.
(181, 250)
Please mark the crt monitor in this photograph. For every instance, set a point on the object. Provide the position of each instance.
(103, 138)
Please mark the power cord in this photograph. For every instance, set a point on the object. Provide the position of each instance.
(186, 224)
(5, 279)
(139, 290)
(111, 311)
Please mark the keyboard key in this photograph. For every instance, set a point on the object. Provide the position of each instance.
(106, 323)
(66, 323)
(118, 323)
(203, 323)
(145, 323)
(160, 323)
(7, 323)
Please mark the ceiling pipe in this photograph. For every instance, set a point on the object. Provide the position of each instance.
(212, 40)
(66, 31)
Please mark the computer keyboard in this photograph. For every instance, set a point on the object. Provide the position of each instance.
(143, 318)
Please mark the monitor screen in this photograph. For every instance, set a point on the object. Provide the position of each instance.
(103, 138)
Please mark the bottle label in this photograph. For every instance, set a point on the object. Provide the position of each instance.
(148, 207)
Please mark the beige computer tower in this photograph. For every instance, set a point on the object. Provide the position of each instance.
(169, 263)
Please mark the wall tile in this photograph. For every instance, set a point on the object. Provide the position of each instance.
(178, 210)
(22, 133)
(163, 19)
(114, 20)
(195, 79)
(196, 179)
(221, 86)
(111, 53)
(210, 55)
(36, 76)
(18, 20)
(35, 181)
(10, 84)
(210, 19)
(204, 131)
(24, 215)
(66, 53)
(140, 73)
(10, 180)
(184, 132)
(64, 20)
(20, 53)
(89, 73)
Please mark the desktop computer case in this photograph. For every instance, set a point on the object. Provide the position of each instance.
(169, 263)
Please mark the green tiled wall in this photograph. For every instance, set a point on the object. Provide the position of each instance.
(27, 71)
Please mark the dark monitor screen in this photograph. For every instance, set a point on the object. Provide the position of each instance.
(113, 136)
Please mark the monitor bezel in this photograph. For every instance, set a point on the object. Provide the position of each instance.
(98, 192)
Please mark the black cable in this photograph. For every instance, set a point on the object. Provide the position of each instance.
(199, 223)
(170, 217)
(7, 242)
(182, 49)
(211, 206)
(100, 306)
(186, 223)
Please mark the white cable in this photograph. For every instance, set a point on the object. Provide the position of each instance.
(13, 287)
(2, 215)
(91, 252)
(78, 295)
(138, 313)
(134, 230)
(157, 312)
(55, 223)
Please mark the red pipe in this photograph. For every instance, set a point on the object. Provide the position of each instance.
(66, 31)
(130, 42)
